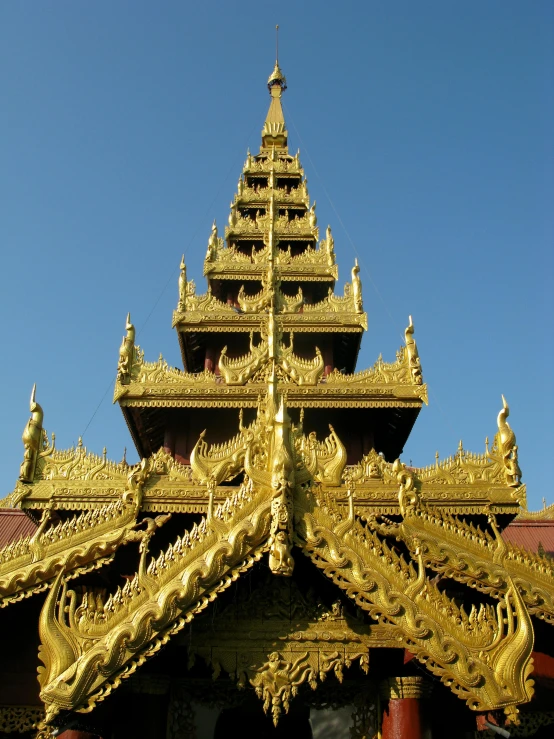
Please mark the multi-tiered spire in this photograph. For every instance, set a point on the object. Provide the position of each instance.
(271, 306)
(314, 466)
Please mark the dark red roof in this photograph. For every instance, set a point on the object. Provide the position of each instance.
(13, 525)
(528, 534)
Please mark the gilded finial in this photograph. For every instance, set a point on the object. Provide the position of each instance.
(213, 243)
(182, 285)
(413, 355)
(507, 447)
(32, 439)
(126, 353)
(274, 133)
(357, 288)
(276, 81)
(277, 78)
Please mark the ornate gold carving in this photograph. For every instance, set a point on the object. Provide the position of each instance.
(462, 470)
(32, 439)
(483, 658)
(282, 484)
(346, 303)
(504, 449)
(278, 680)
(310, 265)
(181, 305)
(78, 464)
(215, 244)
(126, 353)
(406, 687)
(357, 288)
(238, 371)
(328, 246)
(221, 461)
(295, 196)
(302, 371)
(545, 514)
(326, 459)
(20, 719)
(281, 164)
(295, 489)
(79, 543)
(395, 373)
(312, 641)
(87, 647)
(414, 362)
(207, 303)
(467, 554)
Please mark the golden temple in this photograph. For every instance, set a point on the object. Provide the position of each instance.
(271, 566)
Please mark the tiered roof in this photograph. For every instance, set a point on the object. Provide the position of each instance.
(284, 450)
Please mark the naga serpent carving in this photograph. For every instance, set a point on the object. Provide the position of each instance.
(478, 658)
(88, 647)
(487, 563)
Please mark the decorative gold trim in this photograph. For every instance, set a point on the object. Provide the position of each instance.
(481, 660)
(483, 561)
(20, 719)
(90, 646)
(395, 688)
(79, 544)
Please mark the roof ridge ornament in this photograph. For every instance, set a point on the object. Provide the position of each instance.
(32, 439)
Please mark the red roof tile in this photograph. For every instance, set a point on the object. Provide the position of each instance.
(13, 525)
(528, 534)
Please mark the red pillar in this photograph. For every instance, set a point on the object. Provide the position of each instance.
(169, 441)
(209, 360)
(403, 717)
(327, 352)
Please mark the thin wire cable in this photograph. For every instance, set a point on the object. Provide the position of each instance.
(360, 260)
(171, 277)
(335, 211)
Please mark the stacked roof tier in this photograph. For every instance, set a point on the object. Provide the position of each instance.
(270, 301)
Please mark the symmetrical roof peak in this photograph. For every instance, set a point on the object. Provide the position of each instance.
(274, 132)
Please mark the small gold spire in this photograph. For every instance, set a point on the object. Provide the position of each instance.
(276, 80)
(274, 132)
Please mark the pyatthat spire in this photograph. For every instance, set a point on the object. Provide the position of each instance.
(274, 132)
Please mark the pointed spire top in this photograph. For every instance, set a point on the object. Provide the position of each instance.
(274, 132)
(277, 79)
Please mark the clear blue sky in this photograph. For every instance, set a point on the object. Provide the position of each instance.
(426, 128)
